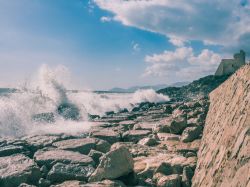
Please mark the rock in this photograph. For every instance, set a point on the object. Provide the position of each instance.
(144, 126)
(18, 169)
(108, 135)
(103, 146)
(43, 182)
(148, 141)
(26, 185)
(127, 125)
(223, 157)
(114, 164)
(170, 181)
(104, 183)
(95, 155)
(187, 175)
(83, 145)
(62, 172)
(176, 124)
(190, 154)
(44, 170)
(12, 149)
(191, 133)
(168, 137)
(135, 135)
(51, 157)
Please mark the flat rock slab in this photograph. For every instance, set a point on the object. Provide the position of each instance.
(135, 135)
(108, 135)
(11, 149)
(83, 145)
(168, 136)
(104, 183)
(18, 169)
(62, 172)
(51, 157)
(116, 163)
(144, 126)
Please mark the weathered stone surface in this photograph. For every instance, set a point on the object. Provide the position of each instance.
(103, 146)
(144, 126)
(62, 172)
(127, 125)
(168, 136)
(51, 157)
(95, 155)
(135, 135)
(170, 181)
(104, 183)
(43, 182)
(12, 149)
(148, 141)
(83, 145)
(191, 133)
(223, 158)
(176, 124)
(114, 164)
(18, 169)
(187, 175)
(108, 135)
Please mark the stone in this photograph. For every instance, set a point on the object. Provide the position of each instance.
(148, 141)
(18, 169)
(170, 181)
(127, 125)
(103, 146)
(176, 124)
(95, 155)
(51, 157)
(26, 185)
(191, 133)
(187, 175)
(108, 135)
(168, 137)
(62, 172)
(116, 163)
(43, 182)
(104, 183)
(144, 126)
(12, 149)
(135, 135)
(83, 145)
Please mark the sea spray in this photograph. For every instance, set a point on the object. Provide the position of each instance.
(45, 106)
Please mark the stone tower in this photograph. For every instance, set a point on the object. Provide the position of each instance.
(229, 66)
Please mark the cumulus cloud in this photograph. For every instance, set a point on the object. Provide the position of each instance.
(213, 22)
(182, 63)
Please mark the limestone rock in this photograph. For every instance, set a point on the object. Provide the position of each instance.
(223, 158)
(135, 135)
(83, 145)
(51, 157)
(114, 164)
(18, 169)
(191, 133)
(62, 172)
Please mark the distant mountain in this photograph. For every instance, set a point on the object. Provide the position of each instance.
(154, 87)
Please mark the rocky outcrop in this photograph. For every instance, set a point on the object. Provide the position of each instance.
(224, 155)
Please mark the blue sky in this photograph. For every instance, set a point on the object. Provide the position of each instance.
(108, 43)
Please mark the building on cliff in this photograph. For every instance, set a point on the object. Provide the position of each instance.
(228, 66)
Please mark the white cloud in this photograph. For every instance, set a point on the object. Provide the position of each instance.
(182, 63)
(213, 22)
(105, 19)
(136, 47)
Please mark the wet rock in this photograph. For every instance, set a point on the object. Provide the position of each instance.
(69, 111)
(108, 135)
(191, 133)
(95, 155)
(44, 117)
(62, 172)
(114, 164)
(18, 169)
(135, 135)
(83, 145)
(51, 157)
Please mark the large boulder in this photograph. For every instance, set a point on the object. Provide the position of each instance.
(83, 145)
(62, 172)
(135, 135)
(114, 164)
(51, 157)
(18, 169)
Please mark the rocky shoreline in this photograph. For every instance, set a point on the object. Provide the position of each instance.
(153, 145)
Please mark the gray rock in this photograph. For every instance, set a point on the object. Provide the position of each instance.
(170, 181)
(95, 155)
(83, 145)
(114, 164)
(51, 157)
(43, 182)
(12, 149)
(148, 141)
(135, 135)
(62, 172)
(108, 135)
(26, 185)
(144, 126)
(103, 146)
(18, 169)
(177, 124)
(191, 133)
(187, 177)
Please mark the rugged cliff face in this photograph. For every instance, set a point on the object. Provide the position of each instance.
(224, 155)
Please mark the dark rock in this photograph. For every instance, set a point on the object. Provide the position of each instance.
(69, 111)
(108, 135)
(43, 182)
(62, 172)
(12, 149)
(44, 117)
(135, 135)
(95, 155)
(187, 176)
(191, 133)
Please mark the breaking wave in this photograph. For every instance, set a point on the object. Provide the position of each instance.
(45, 106)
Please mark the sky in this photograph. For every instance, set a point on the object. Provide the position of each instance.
(120, 43)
